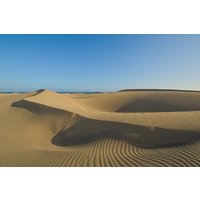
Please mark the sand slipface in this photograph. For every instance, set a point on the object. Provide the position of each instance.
(125, 128)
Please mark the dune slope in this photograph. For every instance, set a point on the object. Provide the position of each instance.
(131, 128)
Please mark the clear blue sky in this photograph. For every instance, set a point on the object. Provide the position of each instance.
(99, 62)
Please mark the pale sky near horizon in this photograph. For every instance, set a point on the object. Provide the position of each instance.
(85, 63)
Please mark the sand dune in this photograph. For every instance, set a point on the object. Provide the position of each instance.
(142, 101)
(129, 128)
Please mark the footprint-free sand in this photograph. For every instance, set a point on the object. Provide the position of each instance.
(125, 128)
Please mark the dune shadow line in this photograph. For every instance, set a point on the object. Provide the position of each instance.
(88, 130)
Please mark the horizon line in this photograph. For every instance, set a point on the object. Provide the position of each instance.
(121, 90)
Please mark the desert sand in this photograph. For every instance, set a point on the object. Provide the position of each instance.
(125, 128)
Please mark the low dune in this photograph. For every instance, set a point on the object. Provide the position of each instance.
(125, 128)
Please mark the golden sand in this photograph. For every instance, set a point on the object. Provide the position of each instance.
(130, 128)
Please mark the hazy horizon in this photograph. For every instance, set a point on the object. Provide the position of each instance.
(97, 63)
(125, 89)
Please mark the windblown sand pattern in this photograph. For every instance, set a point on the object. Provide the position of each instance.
(129, 128)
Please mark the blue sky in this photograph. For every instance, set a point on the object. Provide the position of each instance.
(99, 62)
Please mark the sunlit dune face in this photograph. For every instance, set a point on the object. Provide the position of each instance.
(133, 128)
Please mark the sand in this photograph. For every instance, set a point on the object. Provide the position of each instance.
(125, 128)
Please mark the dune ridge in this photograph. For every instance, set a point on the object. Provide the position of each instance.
(143, 128)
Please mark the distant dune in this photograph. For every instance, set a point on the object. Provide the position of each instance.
(124, 128)
(155, 90)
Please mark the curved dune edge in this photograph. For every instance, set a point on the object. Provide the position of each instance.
(79, 130)
(72, 139)
(126, 102)
(184, 120)
(86, 130)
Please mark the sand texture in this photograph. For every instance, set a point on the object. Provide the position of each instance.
(125, 128)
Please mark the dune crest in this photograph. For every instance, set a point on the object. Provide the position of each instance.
(129, 128)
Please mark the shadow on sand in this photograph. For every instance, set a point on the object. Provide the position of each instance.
(88, 130)
(79, 130)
